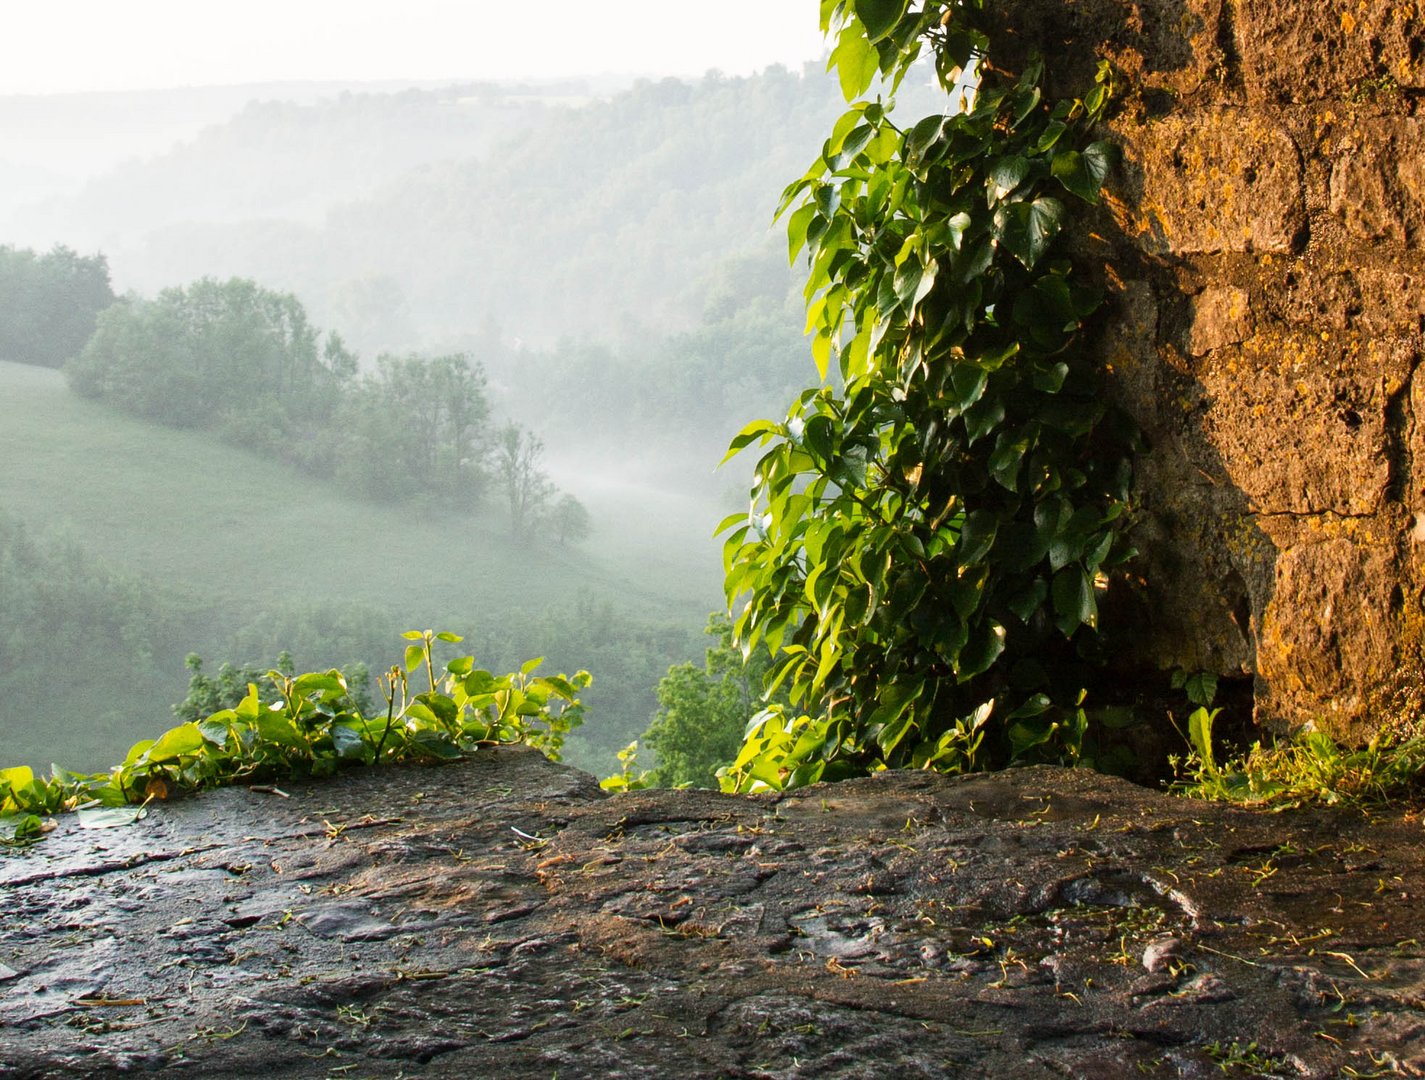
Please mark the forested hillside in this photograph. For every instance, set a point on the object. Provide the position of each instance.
(124, 546)
(322, 294)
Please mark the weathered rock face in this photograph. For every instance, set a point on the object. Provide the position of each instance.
(503, 917)
(1266, 239)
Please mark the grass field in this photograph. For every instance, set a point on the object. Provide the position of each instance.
(241, 534)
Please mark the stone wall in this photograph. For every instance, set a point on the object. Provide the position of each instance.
(1263, 249)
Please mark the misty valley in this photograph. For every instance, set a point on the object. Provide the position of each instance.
(342, 364)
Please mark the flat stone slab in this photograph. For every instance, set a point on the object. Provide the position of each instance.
(504, 917)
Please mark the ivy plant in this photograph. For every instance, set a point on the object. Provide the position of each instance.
(932, 526)
(312, 725)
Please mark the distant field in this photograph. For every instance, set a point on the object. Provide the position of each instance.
(245, 530)
(244, 533)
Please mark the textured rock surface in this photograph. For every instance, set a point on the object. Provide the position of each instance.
(1264, 246)
(503, 917)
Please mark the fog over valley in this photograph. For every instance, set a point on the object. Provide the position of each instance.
(290, 367)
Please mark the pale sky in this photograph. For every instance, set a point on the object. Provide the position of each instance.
(57, 46)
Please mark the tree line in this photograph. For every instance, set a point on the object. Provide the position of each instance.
(49, 303)
(246, 363)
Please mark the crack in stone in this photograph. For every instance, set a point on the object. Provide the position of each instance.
(1399, 425)
(1227, 42)
(112, 866)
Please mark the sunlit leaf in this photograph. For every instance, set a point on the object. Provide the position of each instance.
(880, 16)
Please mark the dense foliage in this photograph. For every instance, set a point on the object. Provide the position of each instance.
(49, 303)
(227, 356)
(703, 712)
(312, 725)
(927, 543)
(245, 362)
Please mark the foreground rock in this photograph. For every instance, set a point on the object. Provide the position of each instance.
(502, 917)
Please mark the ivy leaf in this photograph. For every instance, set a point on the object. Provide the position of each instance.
(1005, 460)
(984, 647)
(967, 385)
(1027, 228)
(1028, 600)
(880, 16)
(184, 739)
(983, 418)
(1074, 603)
(856, 61)
(1007, 174)
(977, 535)
(1084, 172)
(921, 137)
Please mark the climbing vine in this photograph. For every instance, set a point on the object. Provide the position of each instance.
(932, 527)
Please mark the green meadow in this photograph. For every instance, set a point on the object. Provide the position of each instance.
(231, 539)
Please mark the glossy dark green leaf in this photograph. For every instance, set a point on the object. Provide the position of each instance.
(1049, 378)
(1029, 599)
(1074, 603)
(977, 535)
(818, 437)
(1026, 229)
(984, 647)
(983, 418)
(920, 138)
(967, 384)
(1006, 175)
(967, 591)
(1005, 461)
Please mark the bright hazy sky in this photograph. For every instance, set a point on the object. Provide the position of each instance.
(49, 46)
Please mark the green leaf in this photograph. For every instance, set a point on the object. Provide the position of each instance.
(921, 137)
(1074, 603)
(1006, 175)
(277, 728)
(1004, 462)
(818, 436)
(977, 536)
(329, 682)
(437, 744)
(880, 16)
(797, 230)
(984, 647)
(1084, 172)
(1200, 734)
(415, 656)
(1201, 688)
(858, 140)
(1028, 600)
(184, 739)
(1026, 229)
(108, 817)
(1050, 379)
(967, 383)
(983, 418)
(350, 741)
(856, 61)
